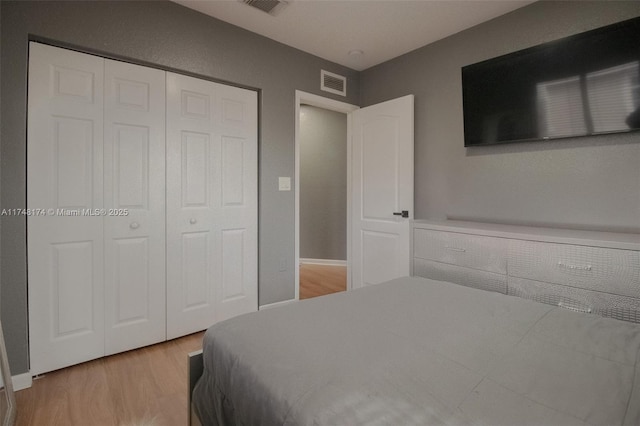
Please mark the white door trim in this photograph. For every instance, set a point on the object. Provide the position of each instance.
(333, 105)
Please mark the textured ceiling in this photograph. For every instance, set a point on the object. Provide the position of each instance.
(381, 29)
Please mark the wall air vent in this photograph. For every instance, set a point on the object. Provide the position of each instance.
(333, 83)
(272, 7)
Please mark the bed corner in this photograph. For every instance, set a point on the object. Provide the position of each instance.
(195, 366)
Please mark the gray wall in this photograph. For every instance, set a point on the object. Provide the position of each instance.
(588, 182)
(168, 35)
(0, 156)
(591, 183)
(323, 184)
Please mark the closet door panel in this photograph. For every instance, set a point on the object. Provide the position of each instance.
(211, 203)
(238, 292)
(195, 271)
(193, 159)
(64, 187)
(134, 206)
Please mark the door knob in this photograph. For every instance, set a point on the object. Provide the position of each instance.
(193, 221)
(134, 225)
(403, 213)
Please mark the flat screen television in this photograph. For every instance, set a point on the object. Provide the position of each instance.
(587, 84)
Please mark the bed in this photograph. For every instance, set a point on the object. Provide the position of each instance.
(417, 351)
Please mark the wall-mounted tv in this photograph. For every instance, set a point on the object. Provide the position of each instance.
(587, 84)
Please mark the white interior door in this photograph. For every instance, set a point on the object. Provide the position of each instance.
(382, 188)
(134, 238)
(211, 203)
(64, 179)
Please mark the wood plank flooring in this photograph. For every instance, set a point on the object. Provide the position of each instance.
(146, 386)
(318, 280)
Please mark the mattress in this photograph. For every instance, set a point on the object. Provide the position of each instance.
(415, 351)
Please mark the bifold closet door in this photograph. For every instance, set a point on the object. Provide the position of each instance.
(65, 180)
(142, 190)
(211, 203)
(134, 194)
(96, 185)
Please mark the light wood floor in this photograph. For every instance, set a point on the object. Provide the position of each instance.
(147, 386)
(318, 280)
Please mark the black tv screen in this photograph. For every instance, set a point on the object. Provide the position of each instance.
(587, 84)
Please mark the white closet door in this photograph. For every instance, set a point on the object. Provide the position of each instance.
(65, 177)
(238, 214)
(134, 172)
(211, 203)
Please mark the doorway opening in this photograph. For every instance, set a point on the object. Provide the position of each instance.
(322, 195)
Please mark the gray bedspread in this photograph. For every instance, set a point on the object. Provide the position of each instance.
(415, 351)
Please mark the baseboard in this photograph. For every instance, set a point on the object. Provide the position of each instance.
(22, 381)
(276, 304)
(328, 262)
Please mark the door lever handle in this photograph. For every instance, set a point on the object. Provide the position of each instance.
(403, 213)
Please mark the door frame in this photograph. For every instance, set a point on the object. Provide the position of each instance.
(332, 105)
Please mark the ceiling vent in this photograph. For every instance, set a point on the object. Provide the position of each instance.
(272, 7)
(333, 83)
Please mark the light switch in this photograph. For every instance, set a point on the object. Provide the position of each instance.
(284, 183)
